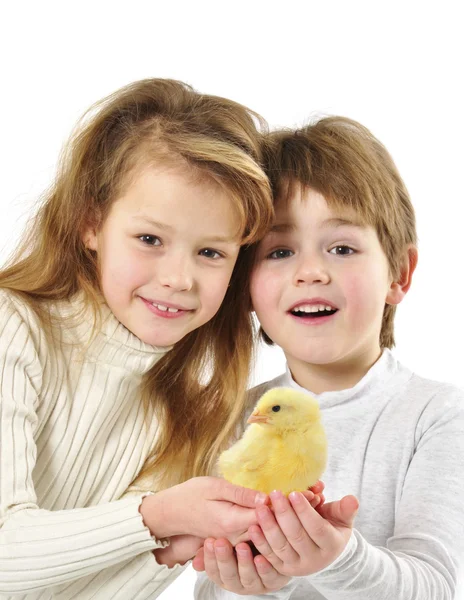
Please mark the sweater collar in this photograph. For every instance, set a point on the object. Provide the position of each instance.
(376, 378)
(112, 343)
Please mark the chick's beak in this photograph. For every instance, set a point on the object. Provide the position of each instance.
(256, 417)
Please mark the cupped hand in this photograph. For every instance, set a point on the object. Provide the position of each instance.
(296, 539)
(237, 572)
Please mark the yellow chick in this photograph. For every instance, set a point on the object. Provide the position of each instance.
(284, 448)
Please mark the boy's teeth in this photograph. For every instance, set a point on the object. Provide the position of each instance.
(312, 308)
(165, 308)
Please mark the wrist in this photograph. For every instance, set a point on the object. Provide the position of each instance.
(155, 515)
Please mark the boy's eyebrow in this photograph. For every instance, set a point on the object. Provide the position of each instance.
(282, 228)
(340, 222)
(332, 222)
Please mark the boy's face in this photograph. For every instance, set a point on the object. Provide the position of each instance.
(320, 284)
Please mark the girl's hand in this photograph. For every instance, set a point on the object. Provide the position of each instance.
(298, 540)
(202, 507)
(238, 573)
(181, 549)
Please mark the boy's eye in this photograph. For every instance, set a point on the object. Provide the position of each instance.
(210, 253)
(342, 250)
(150, 240)
(280, 253)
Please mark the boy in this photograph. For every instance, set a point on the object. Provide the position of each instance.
(325, 285)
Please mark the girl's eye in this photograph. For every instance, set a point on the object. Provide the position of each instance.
(342, 250)
(150, 240)
(280, 253)
(210, 253)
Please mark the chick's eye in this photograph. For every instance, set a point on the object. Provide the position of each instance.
(150, 240)
(276, 408)
(342, 250)
(210, 253)
(280, 253)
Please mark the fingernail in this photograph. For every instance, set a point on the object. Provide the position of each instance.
(276, 495)
(209, 546)
(221, 550)
(242, 551)
(261, 512)
(260, 498)
(295, 497)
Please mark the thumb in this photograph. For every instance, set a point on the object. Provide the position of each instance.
(243, 496)
(198, 562)
(342, 512)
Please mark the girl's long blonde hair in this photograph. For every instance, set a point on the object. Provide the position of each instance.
(145, 122)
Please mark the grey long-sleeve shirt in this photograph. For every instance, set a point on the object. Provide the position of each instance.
(396, 441)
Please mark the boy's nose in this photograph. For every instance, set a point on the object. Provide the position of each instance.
(311, 271)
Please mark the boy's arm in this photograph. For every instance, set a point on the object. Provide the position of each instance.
(423, 558)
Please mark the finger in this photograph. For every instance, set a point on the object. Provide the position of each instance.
(227, 565)
(320, 530)
(247, 571)
(341, 512)
(263, 547)
(314, 500)
(271, 579)
(211, 566)
(318, 487)
(271, 526)
(240, 495)
(198, 563)
(297, 541)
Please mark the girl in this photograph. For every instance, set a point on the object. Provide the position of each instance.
(126, 288)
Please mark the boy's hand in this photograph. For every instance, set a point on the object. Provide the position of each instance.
(298, 540)
(239, 572)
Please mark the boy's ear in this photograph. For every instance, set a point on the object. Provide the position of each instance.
(400, 287)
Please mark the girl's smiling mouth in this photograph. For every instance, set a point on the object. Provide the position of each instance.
(167, 311)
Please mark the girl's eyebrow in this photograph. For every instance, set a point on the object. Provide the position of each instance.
(146, 220)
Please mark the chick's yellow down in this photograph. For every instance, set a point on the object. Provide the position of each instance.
(284, 448)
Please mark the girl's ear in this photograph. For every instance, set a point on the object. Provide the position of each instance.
(90, 233)
(399, 288)
(90, 239)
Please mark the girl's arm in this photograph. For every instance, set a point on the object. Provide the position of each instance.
(41, 549)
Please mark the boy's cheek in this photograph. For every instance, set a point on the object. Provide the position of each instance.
(264, 290)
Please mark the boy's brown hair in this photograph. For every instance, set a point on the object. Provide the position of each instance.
(343, 161)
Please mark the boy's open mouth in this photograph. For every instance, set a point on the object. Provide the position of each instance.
(313, 312)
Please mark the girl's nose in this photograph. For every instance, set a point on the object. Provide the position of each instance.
(176, 273)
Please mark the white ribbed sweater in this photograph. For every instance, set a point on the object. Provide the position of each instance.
(72, 438)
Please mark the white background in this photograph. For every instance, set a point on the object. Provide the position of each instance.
(395, 66)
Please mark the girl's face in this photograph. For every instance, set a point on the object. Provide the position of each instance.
(320, 285)
(166, 252)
